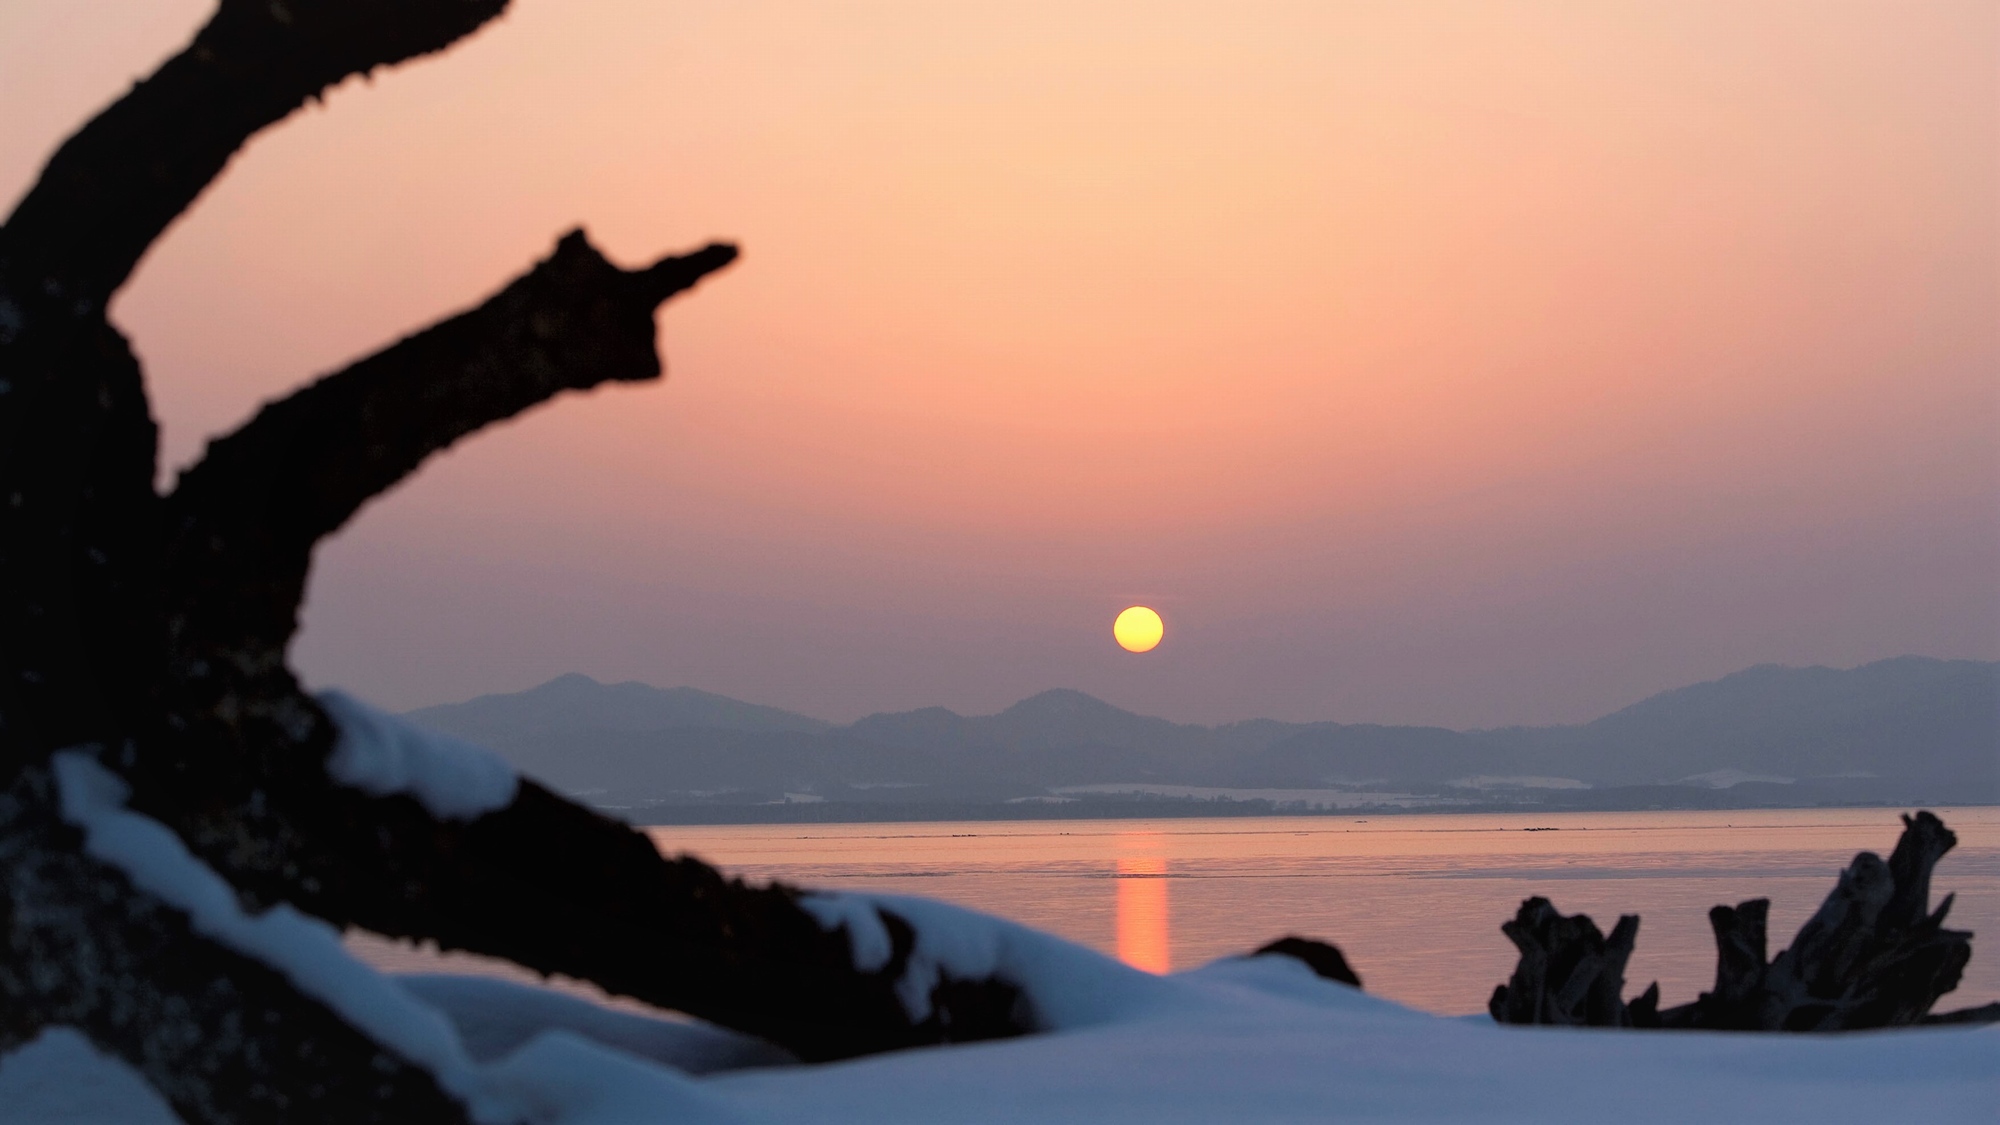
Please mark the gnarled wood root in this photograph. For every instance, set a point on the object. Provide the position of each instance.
(1874, 955)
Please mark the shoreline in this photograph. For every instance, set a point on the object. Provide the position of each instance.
(854, 812)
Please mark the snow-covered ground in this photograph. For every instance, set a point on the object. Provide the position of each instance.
(1258, 1040)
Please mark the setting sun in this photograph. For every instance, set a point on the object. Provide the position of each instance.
(1138, 629)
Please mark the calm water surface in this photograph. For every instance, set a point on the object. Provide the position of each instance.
(1414, 901)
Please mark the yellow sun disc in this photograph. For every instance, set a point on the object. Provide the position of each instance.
(1138, 629)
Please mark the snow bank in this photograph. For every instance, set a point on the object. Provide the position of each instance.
(561, 1077)
(60, 1078)
(867, 936)
(497, 1017)
(558, 1078)
(1263, 1040)
(381, 753)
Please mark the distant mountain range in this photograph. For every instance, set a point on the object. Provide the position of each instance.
(1907, 731)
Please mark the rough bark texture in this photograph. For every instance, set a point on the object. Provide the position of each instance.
(222, 1037)
(1875, 955)
(154, 630)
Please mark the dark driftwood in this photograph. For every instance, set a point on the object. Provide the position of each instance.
(1323, 959)
(1569, 972)
(1875, 955)
(151, 631)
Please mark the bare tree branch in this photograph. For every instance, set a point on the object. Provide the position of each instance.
(78, 519)
(113, 187)
(242, 523)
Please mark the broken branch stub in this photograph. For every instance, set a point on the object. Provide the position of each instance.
(242, 523)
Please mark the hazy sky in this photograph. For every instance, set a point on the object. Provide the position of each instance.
(1469, 363)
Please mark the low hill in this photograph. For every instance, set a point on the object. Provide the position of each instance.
(1904, 731)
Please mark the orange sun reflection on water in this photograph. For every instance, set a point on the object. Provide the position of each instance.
(1142, 913)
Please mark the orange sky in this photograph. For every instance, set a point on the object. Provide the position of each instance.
(1468, 363)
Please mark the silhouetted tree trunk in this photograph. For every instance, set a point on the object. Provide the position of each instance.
(150, 632)
(1875, 955)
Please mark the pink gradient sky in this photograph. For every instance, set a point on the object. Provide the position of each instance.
(1468, 363)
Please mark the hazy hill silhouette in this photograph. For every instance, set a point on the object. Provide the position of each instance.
(1908, 730)
(576, 702)
(1908, 717)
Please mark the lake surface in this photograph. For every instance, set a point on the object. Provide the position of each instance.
(1415, 901)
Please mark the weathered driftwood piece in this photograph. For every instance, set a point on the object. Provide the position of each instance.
(1874, 955)
(1569, 972)
(150, 633)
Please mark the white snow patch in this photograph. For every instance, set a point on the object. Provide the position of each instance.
(1066, 985)
(1730, 778)
(381, 753)
(562, 1077)
(1484, 781)
(60, 1078)
(1281, 798)
(867, 937)
(497, 1017)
